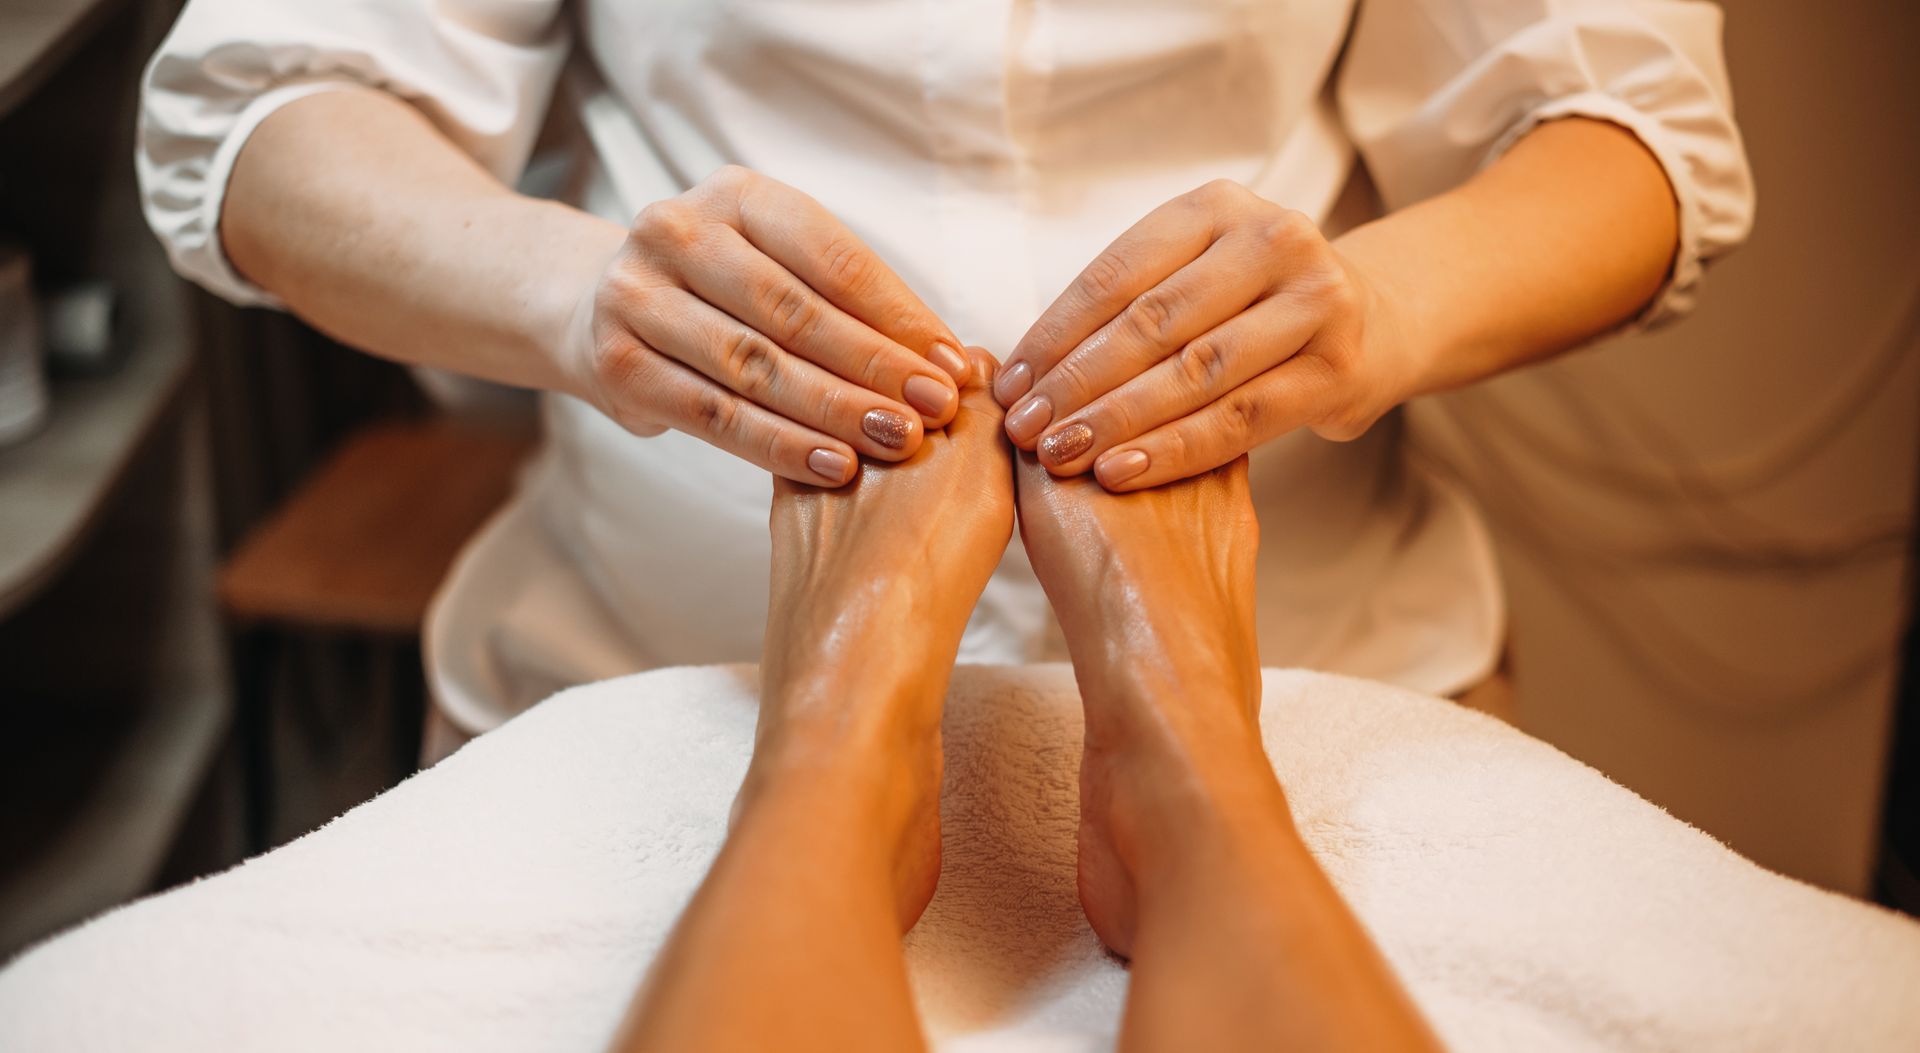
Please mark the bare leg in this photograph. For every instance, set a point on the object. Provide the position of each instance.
(793, 941)
(1189, 860)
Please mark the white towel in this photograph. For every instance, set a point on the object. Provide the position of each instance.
(510, 898)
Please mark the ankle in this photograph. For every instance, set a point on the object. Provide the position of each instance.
(1169, 799)
(1186, 724)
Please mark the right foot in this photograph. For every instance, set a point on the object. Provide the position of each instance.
(1155, 593)
(872, 586)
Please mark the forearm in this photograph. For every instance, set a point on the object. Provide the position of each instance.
(373, 227)
(1566, 236)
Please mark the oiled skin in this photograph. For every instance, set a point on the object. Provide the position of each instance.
(1189, 860)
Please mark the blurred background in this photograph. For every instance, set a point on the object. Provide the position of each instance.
(219, 531)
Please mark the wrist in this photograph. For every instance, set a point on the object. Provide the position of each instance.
(563, 331)
(1398, 330)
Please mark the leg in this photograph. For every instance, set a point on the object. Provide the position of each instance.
(794, 938)
(1189, 861)
(793, 941)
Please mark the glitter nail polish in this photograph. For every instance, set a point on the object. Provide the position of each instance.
(1067, 443)
(887, 428)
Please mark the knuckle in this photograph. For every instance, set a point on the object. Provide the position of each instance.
(713, 413)
(1041, 343)
(669, 224)
(619, 361)
(1105, 278)
(1339, 297)
(1156, 312)
(1203, 363)
(846, 265)
(636, 304)
(1287, 226)
(623, 288)
(729, 180)
(1070, 376)
(790, 308)
(750, 362)
(1345, 420)
(1344, 425)
(1217, 192)
(645, 306)
(1243, 416)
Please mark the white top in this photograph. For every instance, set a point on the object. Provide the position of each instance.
(986, 149)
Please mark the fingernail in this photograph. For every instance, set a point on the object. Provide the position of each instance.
(928, 395)
(887, 428)
(1027, 421)
(829, 465)
(1013, 383)
(1067, 443)
(951, 361)
(1120, 467)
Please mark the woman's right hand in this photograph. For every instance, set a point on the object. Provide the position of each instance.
(745, 314)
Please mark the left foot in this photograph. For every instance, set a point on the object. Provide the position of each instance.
(1154, 591)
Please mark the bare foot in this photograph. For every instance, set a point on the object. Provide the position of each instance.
(1155, 591)
(872, 587)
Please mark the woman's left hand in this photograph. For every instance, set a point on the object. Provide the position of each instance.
(1218, 322)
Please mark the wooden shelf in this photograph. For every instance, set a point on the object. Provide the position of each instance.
(36, 36)
(120, 674)
(116, 685)
(54, 484)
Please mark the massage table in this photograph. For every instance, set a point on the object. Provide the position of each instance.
(511, 897)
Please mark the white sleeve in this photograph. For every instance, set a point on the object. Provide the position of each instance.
(1434, 90)
(481, 70)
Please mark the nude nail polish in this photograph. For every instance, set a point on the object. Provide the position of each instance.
(1013, 382)
(1121, 467)
(1030, 419)
(887, 428)
(830, 465)
(927, 395)
(951, 361)
(1067, 443)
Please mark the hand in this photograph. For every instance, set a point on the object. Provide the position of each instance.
(876, 581)
(743, 313)
(1216, 323)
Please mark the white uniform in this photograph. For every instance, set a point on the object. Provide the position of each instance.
(986, 149)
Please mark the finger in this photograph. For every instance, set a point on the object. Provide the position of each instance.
(733, 275)
(686, 401)
(681, 326)
(1206, 369)
(979, 417)
(801, 235)
(1169, 238)
(1269, 405)
(1215, 287)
